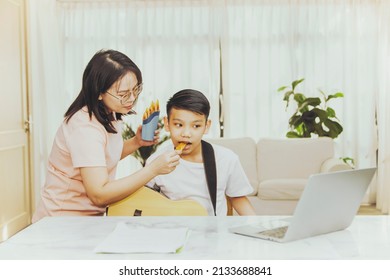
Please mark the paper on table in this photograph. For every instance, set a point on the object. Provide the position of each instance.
(127, 239)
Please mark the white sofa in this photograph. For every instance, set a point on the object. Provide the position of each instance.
(279, 168)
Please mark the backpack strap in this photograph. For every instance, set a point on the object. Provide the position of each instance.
(211, 172)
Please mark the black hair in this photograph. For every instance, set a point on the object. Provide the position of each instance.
(190, 100)
(102, 71)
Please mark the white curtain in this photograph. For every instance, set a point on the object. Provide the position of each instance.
(383, 178)
(332, 44)
(335, 45)
(46, 82)
(172, 42)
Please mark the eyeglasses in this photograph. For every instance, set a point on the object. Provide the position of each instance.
(124, 98)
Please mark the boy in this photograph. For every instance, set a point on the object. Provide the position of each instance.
(187, 121)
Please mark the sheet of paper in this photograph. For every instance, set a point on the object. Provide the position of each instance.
(127, 238)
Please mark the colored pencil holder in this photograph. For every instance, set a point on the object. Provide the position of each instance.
(149, 126)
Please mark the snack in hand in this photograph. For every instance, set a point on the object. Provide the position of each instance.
(150, 121)
(180, 146)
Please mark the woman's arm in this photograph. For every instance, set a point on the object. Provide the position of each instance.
(134, 143)
(242, 205)
(129, 147)
(103, 192)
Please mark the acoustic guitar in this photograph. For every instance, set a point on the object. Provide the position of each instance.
(147, 202)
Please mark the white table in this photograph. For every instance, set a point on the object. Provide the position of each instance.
(76, 237)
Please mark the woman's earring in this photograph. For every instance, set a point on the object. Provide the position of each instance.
(100, 97)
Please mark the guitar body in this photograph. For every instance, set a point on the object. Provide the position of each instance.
(147, 202)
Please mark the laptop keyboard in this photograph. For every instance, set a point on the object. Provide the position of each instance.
(275, 232)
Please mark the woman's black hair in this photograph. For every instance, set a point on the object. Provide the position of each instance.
(102, 71)
(190, 100)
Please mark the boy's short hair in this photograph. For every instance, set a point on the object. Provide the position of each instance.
(190, 100)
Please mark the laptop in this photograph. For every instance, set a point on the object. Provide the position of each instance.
(328, 203)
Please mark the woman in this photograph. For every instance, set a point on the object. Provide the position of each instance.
(88, 145)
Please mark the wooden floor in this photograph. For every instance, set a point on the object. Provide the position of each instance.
(369, 210)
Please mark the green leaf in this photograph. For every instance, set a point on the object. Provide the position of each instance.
(309, 129)
(287, 95)
(322, 114)
(348, 160)
(295, 83)
(336, 95)
(334, 128)
(299, 98)
(309, 116)
(293, 134)
(300, 129)
(127, 132)
(295, 121)
(331, 112)
(282, 88)
(311, 101)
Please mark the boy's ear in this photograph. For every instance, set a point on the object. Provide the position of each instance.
(208, 124)
(166, 126)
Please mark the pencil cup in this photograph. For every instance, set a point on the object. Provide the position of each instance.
(149, 126)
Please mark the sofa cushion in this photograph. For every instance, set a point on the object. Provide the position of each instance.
(281, 189)
(334, 164)
(272, 207)
(245, 148)
(292, 158)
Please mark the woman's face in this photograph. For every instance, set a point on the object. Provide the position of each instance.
(121, 96)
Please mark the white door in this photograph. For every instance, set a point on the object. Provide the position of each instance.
(15, 204)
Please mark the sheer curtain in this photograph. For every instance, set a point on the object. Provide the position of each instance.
(332, 44)
(383, 185)
(172, 42)
(45, 82)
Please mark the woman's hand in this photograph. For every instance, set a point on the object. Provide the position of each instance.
(141, 142)
(134, 143)
(165, 163)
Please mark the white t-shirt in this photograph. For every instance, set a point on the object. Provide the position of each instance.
(188, 180)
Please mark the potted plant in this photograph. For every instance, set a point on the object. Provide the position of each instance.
(313, 115)
(144, 152)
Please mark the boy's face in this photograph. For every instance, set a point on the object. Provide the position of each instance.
(187, 127)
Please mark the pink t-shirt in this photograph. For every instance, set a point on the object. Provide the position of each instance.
(82, 142)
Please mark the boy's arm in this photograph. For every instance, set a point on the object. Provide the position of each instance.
(242, 206)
